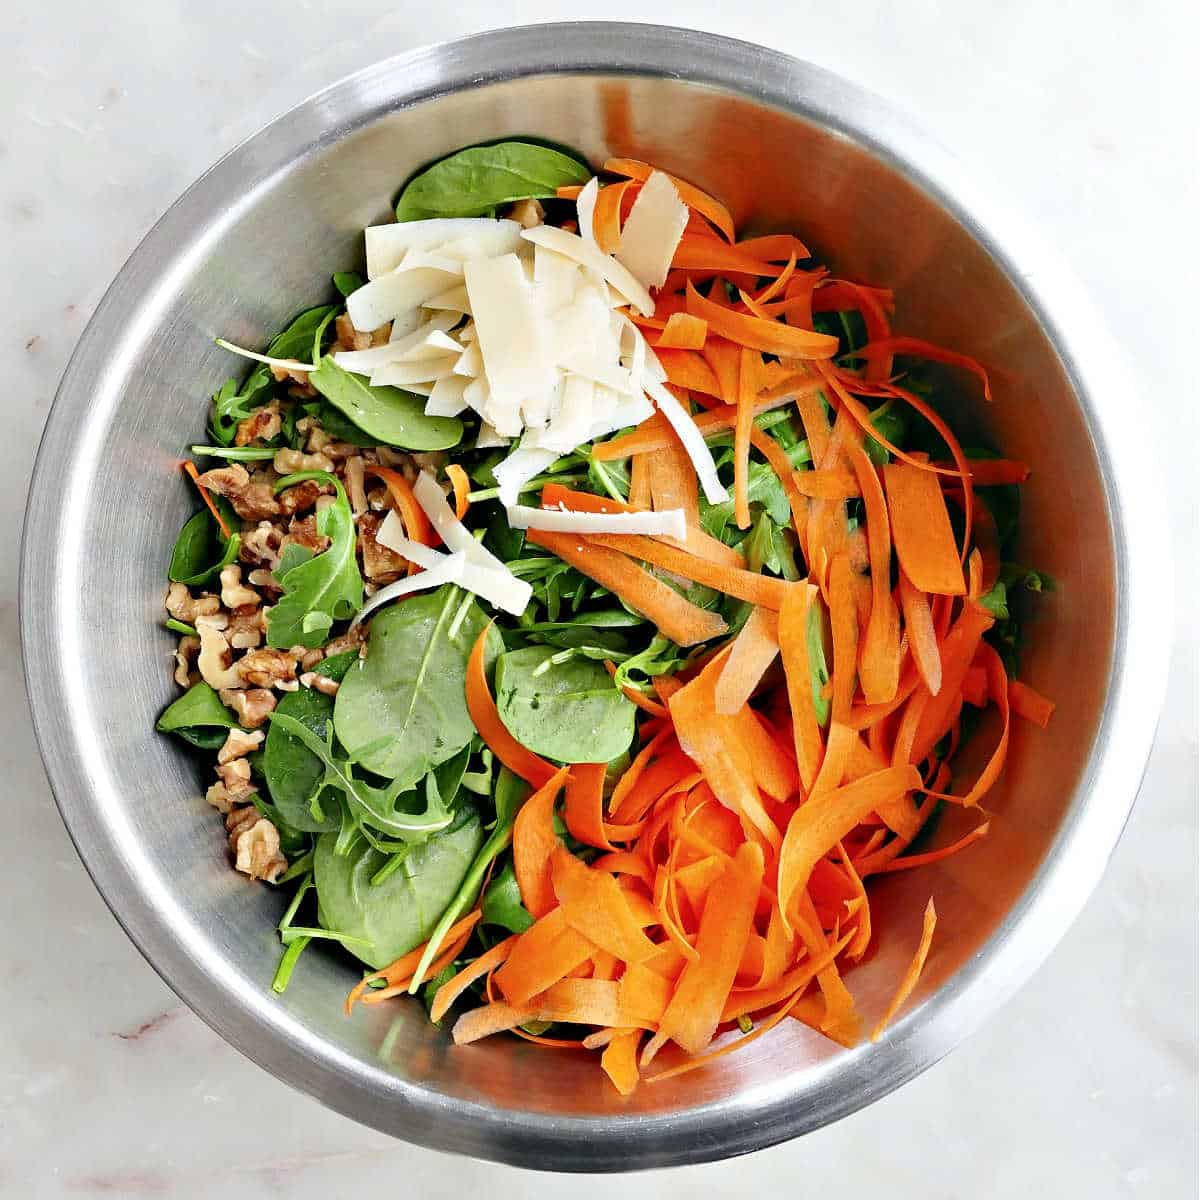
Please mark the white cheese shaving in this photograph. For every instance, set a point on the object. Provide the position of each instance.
(519, 468)
(667, 523)
(692, 439)
(652, 231)
(453, 299)
(509, 327)
(590, 256)
(471, 363)
(485, 574)
(570, 424)
(496, 237)
(399, 348)
(387, 245)
(489, 439)
(585, 208)
(290, 364)
(386, 298)
(446, 399)
(555, 278)
(450, 569)
(405, 374)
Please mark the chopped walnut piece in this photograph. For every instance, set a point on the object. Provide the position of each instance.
(264, 579)
(261, 425)
(527, 213)
(252, 705)
(267, 668)
(398, 461)
(214, 660)
(353, 639)
(288, 462)
(238, 744)
(320, 683)
(252, 499)
(187, 649)
(181, 604)
(234, 593)
(260, 546)
(246, 629)
(255, 844)
(235, 775)
(279, 374)
(303, 531)
(349, 338)
(219, 797)
(433, 462)
(379, 564)
(303, 495)
(310, 658)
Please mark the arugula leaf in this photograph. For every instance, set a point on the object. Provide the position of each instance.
(398, 913)
(232, 403)
(474, 181)
(199, 717)
(410, 690)
(562, 706)
(892, 422)
(324, 588)
(762, 487)
(201, 550)
(392, 417)
(367, 804)
(660, 657)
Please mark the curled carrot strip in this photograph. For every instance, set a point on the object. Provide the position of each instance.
(190, 468)
(758, 333)
(712, 210)
(462, 487)
(416, 523)
(909, 981)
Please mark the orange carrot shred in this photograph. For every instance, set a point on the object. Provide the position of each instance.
(712, 210)
(921, 530)
(619, 1060)
(754, 650)
(462, 487)
(741, 439)
(416, 524)
(1031, 705)
(682, 332)
(793, 645)
(534, 843)
(922, 637)
(488, 961)
(917, 348)
(909, 981)
(595, 906)
(190, 468)
(583, 812)
(758, 333)
(606, 216)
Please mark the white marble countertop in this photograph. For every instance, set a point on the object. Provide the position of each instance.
(1085, 1085)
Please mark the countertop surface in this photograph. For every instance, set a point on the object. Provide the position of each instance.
(1085, 1085)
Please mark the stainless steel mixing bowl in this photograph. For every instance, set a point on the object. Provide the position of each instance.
(787, 146)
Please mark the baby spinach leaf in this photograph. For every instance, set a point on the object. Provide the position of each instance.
(324, 588)
(390, 416)
(568, 711)
(199, 717)
(340, 428)
(347, 282)
(411, 687)
(386, 809)
(399, 912)
(293, 773)
(232, 403)
(201, 550)
(471, 182)
(511, 793)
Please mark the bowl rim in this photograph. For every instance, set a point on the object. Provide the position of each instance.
(1091, 826)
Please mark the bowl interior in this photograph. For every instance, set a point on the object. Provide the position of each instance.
(256, 257)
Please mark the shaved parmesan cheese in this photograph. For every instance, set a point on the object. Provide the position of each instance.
(404, 323)
(608, 375)
(620, 412)
(400, 349)
(433, 344)
(519, 468)
(668, 523)
(692, 439)
(450, 570)
(471, 363)
(555, 278)
(591, 256)
(446, 399)
(585, 208)
(290, 364)
(391, 534)
(570, 424)
(454, 299)
(385, 298)
(537, 409)
(404, 374)
(509, 326)
(652, 231)
(489, 439)
(485, 574)
(388, 244)
(497, 237)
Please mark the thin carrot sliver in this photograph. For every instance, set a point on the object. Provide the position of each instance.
(534, 844)
(606, 216)
(758, 333)
(450, 991)
(190, 468)
(462, 487)
(733, 581)
(595, 906)
(909, 980)
(922, 637)
(416, 524)
(1030, 704)
(921, 530)
(994, 472)
(909, 861)
(781, 465)
(545, 953)
(705, 254)
(687, 368)
(680, 620)
(793, 644)
(619, 1060)
(754, 649)
(583, 811)
(741, 439)
(491, 1018)
(916, 348)
(682, 332)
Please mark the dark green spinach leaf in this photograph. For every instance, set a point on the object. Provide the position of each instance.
(565, 708)
(502, 902)
(387, 414)
(201, 550)
(475, 181)
(199, 717)
(401, 911)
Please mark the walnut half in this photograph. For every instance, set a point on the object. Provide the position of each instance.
(255, 844)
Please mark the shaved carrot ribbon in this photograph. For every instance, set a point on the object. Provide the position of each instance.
(916, 348)
(712, 210)
(416, 524)
(909, 981)
(462, 487)
(758, 333)
(1031, 705)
